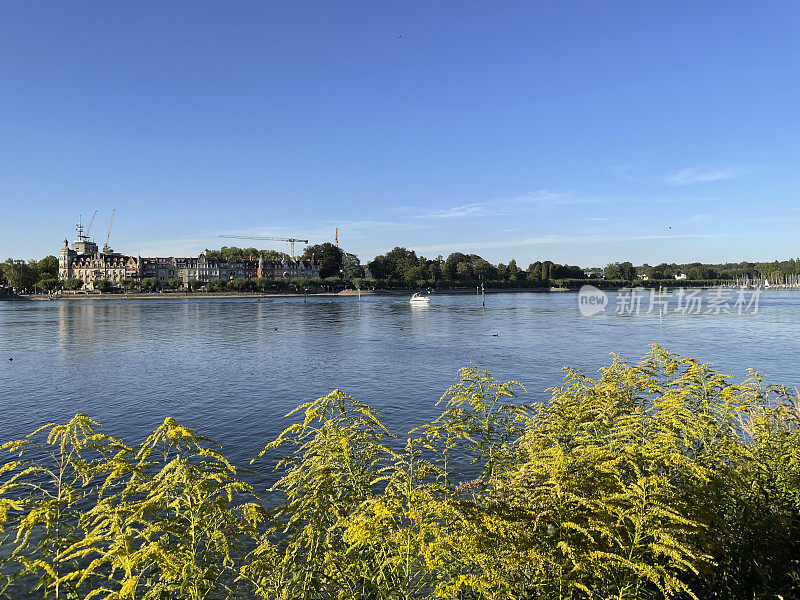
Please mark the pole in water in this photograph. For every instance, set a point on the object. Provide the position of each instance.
(483, 293)
(305, 299)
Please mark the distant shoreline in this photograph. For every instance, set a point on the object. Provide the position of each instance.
(272, 295)
(180, 296)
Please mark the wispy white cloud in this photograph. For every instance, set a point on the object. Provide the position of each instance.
(368, 225)
(497, 206)
(669, 237)
(476, 209)
(415, 224)
(552, 239)
(622, 170)
(703, 175)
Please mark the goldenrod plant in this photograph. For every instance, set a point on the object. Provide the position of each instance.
(662, 479)
(332, 463)
(48, 485)
(176, 524)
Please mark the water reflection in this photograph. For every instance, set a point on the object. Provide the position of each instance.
(233, 367)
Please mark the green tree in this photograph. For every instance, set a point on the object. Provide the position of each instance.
(20, 275)
(127, 283)
(315, 282)
(73, 284)
(379, 267)
(568, 272)
(612, 271)
(502, 271)
(236, 253)
(434, 270)
(260, 284)
(450, 267)
(332, 283)
(463, 272)
(535, 271)
(48, 267)
(548, 270)
(239, 285)
(513, 270)
(627, 271)
(150, 284)
(48, 284)
(351, 267)
(484, 270)
(399, 264)
(174, 283)
(103, 285)
(328, 256)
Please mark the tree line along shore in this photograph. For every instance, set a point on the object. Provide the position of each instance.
(402, 268)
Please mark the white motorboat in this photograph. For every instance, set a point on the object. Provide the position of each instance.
(420, 299)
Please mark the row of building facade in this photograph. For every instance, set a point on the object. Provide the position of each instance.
(84, 261)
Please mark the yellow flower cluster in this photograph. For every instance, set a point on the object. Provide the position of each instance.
(660, 479)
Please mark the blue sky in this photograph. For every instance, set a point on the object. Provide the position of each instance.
(575, 131)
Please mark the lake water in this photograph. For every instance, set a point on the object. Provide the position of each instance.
(232, 368)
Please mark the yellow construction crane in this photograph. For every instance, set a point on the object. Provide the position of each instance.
(89, 228)
(274, 239)
(336, 239)
(106, 249)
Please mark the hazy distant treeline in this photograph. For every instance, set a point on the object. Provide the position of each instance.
(403, 268)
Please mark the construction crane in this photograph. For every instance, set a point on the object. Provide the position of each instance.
(89, 228)
(274, 239)
(106, 249)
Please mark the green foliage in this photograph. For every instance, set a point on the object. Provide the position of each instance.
(260, 284)
(624, 270)
(48, 284)
(351, 267)
(175, 283)
(150, 284)
(48, 267)
(331, 283)
(235, 253)
(73, 283)
(45, 488)
(20, 275)
(127, 283)
(658, 480)
(240, 285)
(171, 528)
(217, 285)
(103, 285)
(403, 268)
(329, 257)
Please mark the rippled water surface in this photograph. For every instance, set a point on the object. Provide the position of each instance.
(232, 368)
